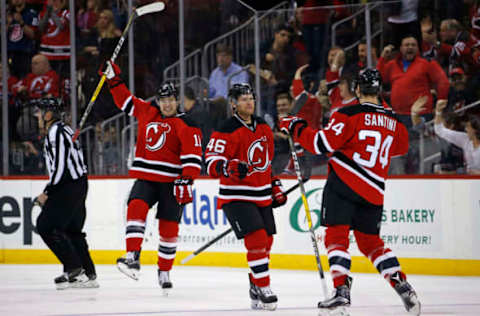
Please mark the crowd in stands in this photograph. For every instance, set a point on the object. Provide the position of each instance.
(429, 60)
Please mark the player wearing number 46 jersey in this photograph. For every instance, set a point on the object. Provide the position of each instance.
(168, 158)
(240, 153)
(361, 139)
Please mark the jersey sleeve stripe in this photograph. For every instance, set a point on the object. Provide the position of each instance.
(192, 160)
(191, 156)
(211, 160)
(127, 106)
(323, 143)
(193, 165)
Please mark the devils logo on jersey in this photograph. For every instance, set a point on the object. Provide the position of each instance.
(258, 157)
(156, 135)
(40, 85)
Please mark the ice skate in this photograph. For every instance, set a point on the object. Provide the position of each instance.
(78, 279)
(61, 282)
(130, 264)
(262, 297)
(340, 299)
(72, 279)
(89, 283)
(255, 301)
(164, 282)
(407, 294)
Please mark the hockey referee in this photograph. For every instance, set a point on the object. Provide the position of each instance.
(61, 220)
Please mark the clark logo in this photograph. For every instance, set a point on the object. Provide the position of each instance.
(298, 219)
(156, 135)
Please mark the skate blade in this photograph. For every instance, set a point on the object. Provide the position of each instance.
(131, 273)
(92, 284)
(258, 305)
(166, 292)
(338, 311)
(416, 309)
(62, 286)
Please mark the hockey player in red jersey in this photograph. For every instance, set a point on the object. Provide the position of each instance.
(168, 158)
(361, 139)
(240, 153)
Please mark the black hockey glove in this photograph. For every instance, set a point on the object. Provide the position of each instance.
(292, 125)
(235, 169)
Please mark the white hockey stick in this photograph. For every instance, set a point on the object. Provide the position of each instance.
(146, 9)
(309, 217)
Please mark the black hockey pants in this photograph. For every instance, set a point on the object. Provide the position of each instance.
(61, 222)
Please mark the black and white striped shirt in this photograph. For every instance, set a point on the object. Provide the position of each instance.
(64, 159)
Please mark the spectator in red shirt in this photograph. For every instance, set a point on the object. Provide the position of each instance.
(464, 53)
(311, 110)
(411, 76)
(42, 82)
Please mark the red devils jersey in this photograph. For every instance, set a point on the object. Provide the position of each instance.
(55, 41)
(39, 86)
(167, 147)
(362, 139)
(251, 144)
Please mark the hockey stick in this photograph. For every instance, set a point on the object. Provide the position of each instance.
(307, 212)
(214, 240)
(146, 9)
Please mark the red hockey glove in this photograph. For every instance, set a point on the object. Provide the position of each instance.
(112, 73)
(235, 169)
(278, 196)
(182, 189)
(292, 125)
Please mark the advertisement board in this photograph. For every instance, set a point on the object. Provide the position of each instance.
(423, 218)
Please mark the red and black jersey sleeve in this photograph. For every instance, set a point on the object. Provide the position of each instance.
(190, 147)
(339, 130)
(127, 102)
(218, 151)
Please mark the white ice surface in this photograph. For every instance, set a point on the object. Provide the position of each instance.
(211, 291)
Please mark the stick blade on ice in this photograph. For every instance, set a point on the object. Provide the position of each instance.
(150, 8)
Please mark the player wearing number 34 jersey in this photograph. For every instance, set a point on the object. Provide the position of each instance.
(360, 139)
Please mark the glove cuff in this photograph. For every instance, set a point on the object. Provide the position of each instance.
(221, 168)
(114, 82)
(297, 127)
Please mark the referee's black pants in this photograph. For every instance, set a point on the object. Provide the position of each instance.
(61, 222)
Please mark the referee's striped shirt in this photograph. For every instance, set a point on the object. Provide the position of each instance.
(64, 159)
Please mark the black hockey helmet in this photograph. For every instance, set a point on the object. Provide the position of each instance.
(49, 104)
(369, 81)
(167, 90)
(239, 89)
(45, 105)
